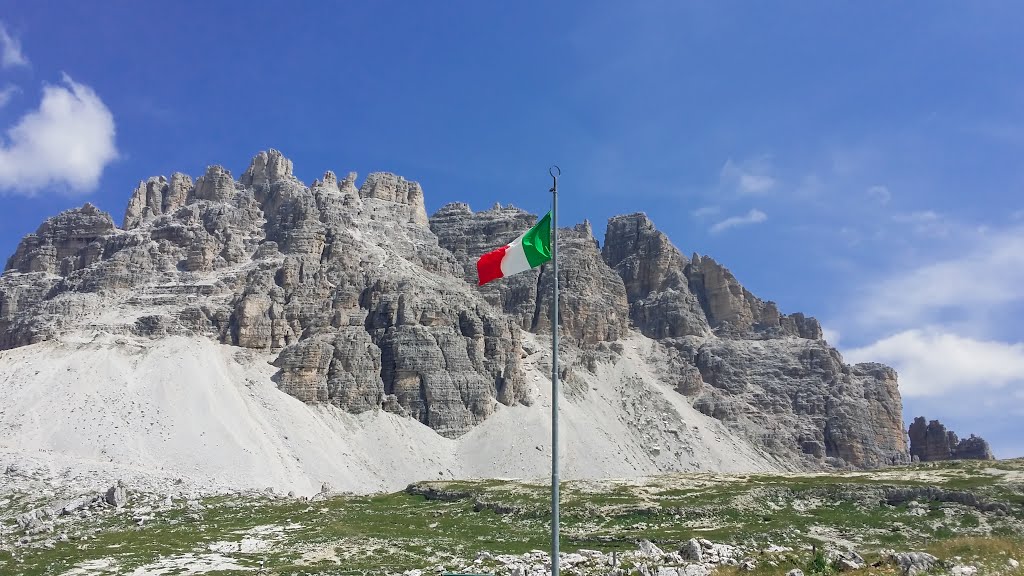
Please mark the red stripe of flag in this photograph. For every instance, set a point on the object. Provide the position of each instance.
(488, 267)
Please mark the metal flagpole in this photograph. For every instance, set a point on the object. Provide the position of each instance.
(555, 172)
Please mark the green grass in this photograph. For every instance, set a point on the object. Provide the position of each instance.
(390, 533)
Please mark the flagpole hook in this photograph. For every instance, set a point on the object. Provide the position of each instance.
(555, 172)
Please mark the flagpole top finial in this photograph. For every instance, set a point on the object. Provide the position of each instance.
(555, 171)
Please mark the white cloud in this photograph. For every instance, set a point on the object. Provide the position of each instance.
(753, 217)
(985, 275)
(706, 211)
(1018, 215)
(748, 178)
(926, 223)
(755, 183)
(880, 193)
(935, 362)
(10, 50)
(831, 336)
(920, 217)
(811, 185)
(66, 142)
(7, 93)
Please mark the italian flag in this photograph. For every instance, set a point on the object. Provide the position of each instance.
(528, 251)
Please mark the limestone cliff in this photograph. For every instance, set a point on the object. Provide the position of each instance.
(770, 375)
(368, 304)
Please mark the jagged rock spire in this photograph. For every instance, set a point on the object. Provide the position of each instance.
(266, 168)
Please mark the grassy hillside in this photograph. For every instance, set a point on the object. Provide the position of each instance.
(971, 510)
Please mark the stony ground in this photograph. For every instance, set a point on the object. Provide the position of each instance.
(959, 518)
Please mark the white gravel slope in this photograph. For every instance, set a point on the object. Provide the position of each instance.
(95, 408)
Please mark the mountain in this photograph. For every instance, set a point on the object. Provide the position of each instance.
(259, 330)
(931, 442)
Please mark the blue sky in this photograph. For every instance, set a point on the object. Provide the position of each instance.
(861, 164)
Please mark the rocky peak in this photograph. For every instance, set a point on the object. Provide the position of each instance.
(585, 230)
(349, 189)
(451, 210)
(733, 311)
(63, 243)
(653, 272)
(328, 182)
(266, 168)
(156, 196)
(930, 442)
(217, 185)
(631, 234)
(393, 188)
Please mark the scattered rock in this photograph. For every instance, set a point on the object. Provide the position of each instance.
(117, 495)
(649, 549)
(75, 504)
(845, 560)
(914, 563)
(692, 550)
(27, 519)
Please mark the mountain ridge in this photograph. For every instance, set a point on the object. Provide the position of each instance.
(368, 304)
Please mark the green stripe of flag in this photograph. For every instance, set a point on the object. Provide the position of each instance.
(537, 242)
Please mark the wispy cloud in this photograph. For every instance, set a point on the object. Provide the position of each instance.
(925, 223)
(850, 236)
(946, 321)
(10, 50)
(66, 142)
(934, 362)
(750, 177)
(7, 93)
(923, 216)
(831, 335)
(753, 217)
(987, 273)
(880, 194)
(705, 211)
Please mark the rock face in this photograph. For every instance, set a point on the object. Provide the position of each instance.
(155, 197)
(769, 375)
(65, 243)
(733, 311)
(592, 299)
(268, 263)
(798, 393)
(930, 442)
(367, 304)
(661, 304)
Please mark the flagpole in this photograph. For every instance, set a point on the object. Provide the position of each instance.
(555, 172)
